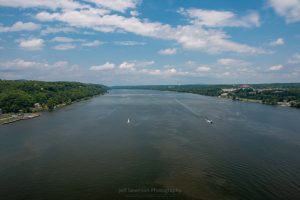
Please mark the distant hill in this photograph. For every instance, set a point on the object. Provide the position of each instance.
(285, 94)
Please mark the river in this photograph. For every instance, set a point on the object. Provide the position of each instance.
(167, 151)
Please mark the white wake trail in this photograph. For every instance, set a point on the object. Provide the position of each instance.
(187, 108)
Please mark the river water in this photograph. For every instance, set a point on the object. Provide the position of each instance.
(167, 151)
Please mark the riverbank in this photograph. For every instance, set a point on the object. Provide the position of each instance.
(12, 117)
(282, 104)
(277, 94)
(22, 96)
(9, 118)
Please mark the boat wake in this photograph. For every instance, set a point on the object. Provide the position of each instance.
(193, 112)
(187, 108)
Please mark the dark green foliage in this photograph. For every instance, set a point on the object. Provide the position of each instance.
(22, 95)
(296, 104)
(15, 101)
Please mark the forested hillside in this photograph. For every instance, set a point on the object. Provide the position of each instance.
(22, 95)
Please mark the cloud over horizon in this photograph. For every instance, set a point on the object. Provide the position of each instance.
(112, 39)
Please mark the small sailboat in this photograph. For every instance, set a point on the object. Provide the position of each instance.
(209, 121)
(128, 121)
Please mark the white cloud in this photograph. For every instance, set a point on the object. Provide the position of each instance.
(169, 51)
(62, 39)
(277, 42)
(295, 59)
(20, 26)
(117, 5)
(28, 69)
(233, 62)
(166, 72)
(127, 66)
(113, 74)
(194, 36)
(146, 63)
(51, 4)
(208, 40)
(19, 64)
(72, 40)
(65, 46)
(134, 66)
(129, 43)
(171, 71)
(92, 44)
(275, 67)
(32, 44)
(203, 69)
(104, 67)
(215, 18)
(141, 67)
(134, 13)
(289, 9)
(189, 36)
(151, 71)
(53, 30)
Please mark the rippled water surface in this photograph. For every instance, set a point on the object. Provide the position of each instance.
(168, 151)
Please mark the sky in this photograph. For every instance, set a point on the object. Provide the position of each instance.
(142, 42)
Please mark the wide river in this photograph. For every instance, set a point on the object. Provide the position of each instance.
(167, 151)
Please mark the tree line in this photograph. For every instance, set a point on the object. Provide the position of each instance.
(22, 95)
(266, 93)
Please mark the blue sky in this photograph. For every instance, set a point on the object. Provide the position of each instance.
(130, 42)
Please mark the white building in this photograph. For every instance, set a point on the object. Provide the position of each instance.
(229, 90)
(37, 105)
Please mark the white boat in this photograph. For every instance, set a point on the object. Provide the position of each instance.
(128, 121)
(209, 121)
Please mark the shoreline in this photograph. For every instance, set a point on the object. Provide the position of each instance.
(279, 104)
(13, 117)
(9, 118)
(244, 100)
